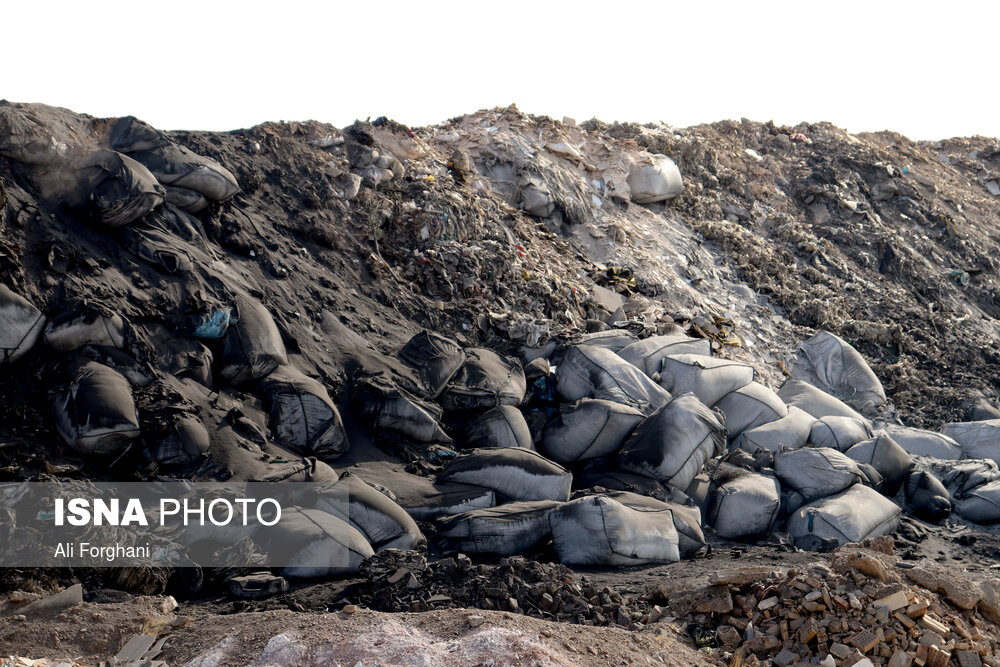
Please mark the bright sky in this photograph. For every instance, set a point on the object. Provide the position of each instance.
(928, 70)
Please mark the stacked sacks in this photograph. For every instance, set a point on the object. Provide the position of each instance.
(744, 503)
(815, 401)
(647, 355)
(387, 407)
(921, 442)
(502, 426)
(435, 358)
(179, 168)
(750, 406)
(974, 487)
(252, 349)
(114, 189)
(96, 414)
(849, 516)
(673, 443)
(21, 325)
(708, 378)
(840, 433)
(375, 515)
(514, 473)
(589, 428)
(831, 364)
(654, 178)
(927, 496)
(686, 517)
(596, 474)
(885, 455)
(306, 420)
(87, 324)
(598, 530)
(790, 432)
(506, 530)
(486, 380)
(818, 472)
(425, 499)
(614, 340)
(978, 440)
(311, 543)
(593, 372)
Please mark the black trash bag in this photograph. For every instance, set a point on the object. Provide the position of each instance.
(486, 380)
(435, 358)
(506, 530)
(927, 496)
(503, 426)
(114, 189)
(252, 348)
(179, 167)
(305, 418)
(383, 405)
(96, 414)
(513, 472)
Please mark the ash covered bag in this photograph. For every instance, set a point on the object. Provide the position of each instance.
(505, 530)
(647, 355)
(96, 414)
(184, 443)
(502, 426)
(305, 418)
(927, 496)
(840, 433)
(129, 134)
(817, 472)
(598, 530)
(614, 340)
(378, 517)
(533, 196)
(708, 378)
(513, 472)
(87, 324)
(673, 443)
(177, 166)
(750, 406)
(425, 499)
(139, 374)
(830, 363)
(961, 477)
(436, 359)
(850, 516)
(654, 178)
(790, 432)
(596, 474)
(887, 457)
(815, 401)
(21, 325)
(921, 442)
(114, 189)
(981, 504)
(744, 503)
(978, 440)
(687, 518)
(589, 428)
(312, 543)
(252, 348)
(169, 239)
(593, 372)
(485, 380)
(383, 405)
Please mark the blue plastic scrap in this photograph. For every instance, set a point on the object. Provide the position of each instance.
(215, 325)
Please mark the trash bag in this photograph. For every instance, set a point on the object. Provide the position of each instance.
(749, 407)
(619, 480)
(978, 440)
(252, 348)
(598, 530)
(435, 358)
(378, 517)
(790, 432)
(486, 380)
(139, 374)
(129, 134)
(982, 409)
(927, 496)
(305, 418)
(185, 443)
(815, 401)
(614, 340)
(588, 371)
(307, 469)
(314, 543)
(86, 324)
(21, 325)
(654, 179)
(503, 426)
(115, 189)
(840, 433)
(168, 240)
(96, 414)
(687, 518)
(187, 200)
(961, 477)
(425, 499)
(887, 457)
(830, 363)
(589, 428)
(708, 378)
(744, 503)
(674, 442)
(853, 515)
(647, 355)
(383, 405)
(533, 196)
(981, 504)
(514, 472)
(179, 167)
(817, 472)
(506, 530)
(921, 442)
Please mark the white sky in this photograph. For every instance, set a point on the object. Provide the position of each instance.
(927, 70)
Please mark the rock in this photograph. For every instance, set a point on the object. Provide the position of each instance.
(785, 658)
(900, 659)
(53, 604)
(350, 609)
(870, 566)
(257, 585)
(168, 604)
(707, 600)
(960, 591)
(990, 604)
(741, 576)
(475, 620)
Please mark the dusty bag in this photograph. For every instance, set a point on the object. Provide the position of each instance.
(614, 340)
(708, 378)
(592, 372)
(850, 516)
(85, 325)
(314, 543)
(887, 457)
(598, 530)
(115, 189)
(830, 363)
(139, 374)
(647, 354)
(533, 197)
(619, 480)
(21, 324)
(815, 401)
(921, 442)
(790, 432)
(96, 414)
(506, 530)
(425, 499)
(840, 433)
(982, 504)
(687, 518)
(169, 239)
(514, 472)
(187, 200)
(305, 418)
(185, 443)
(961, 477)
(435, 358)
(744, 504)
(129, 134)
(674, 442)
(486, 380)
(817, 472)
(750, 406)
(179, 167)
(589, 428)
(926, 495)
(655, 178)
(503, 426)
(978, 440)
(379, 518)
(383, 405)
(252, 348)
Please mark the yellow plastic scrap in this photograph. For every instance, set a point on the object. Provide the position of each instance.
(720, 330)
